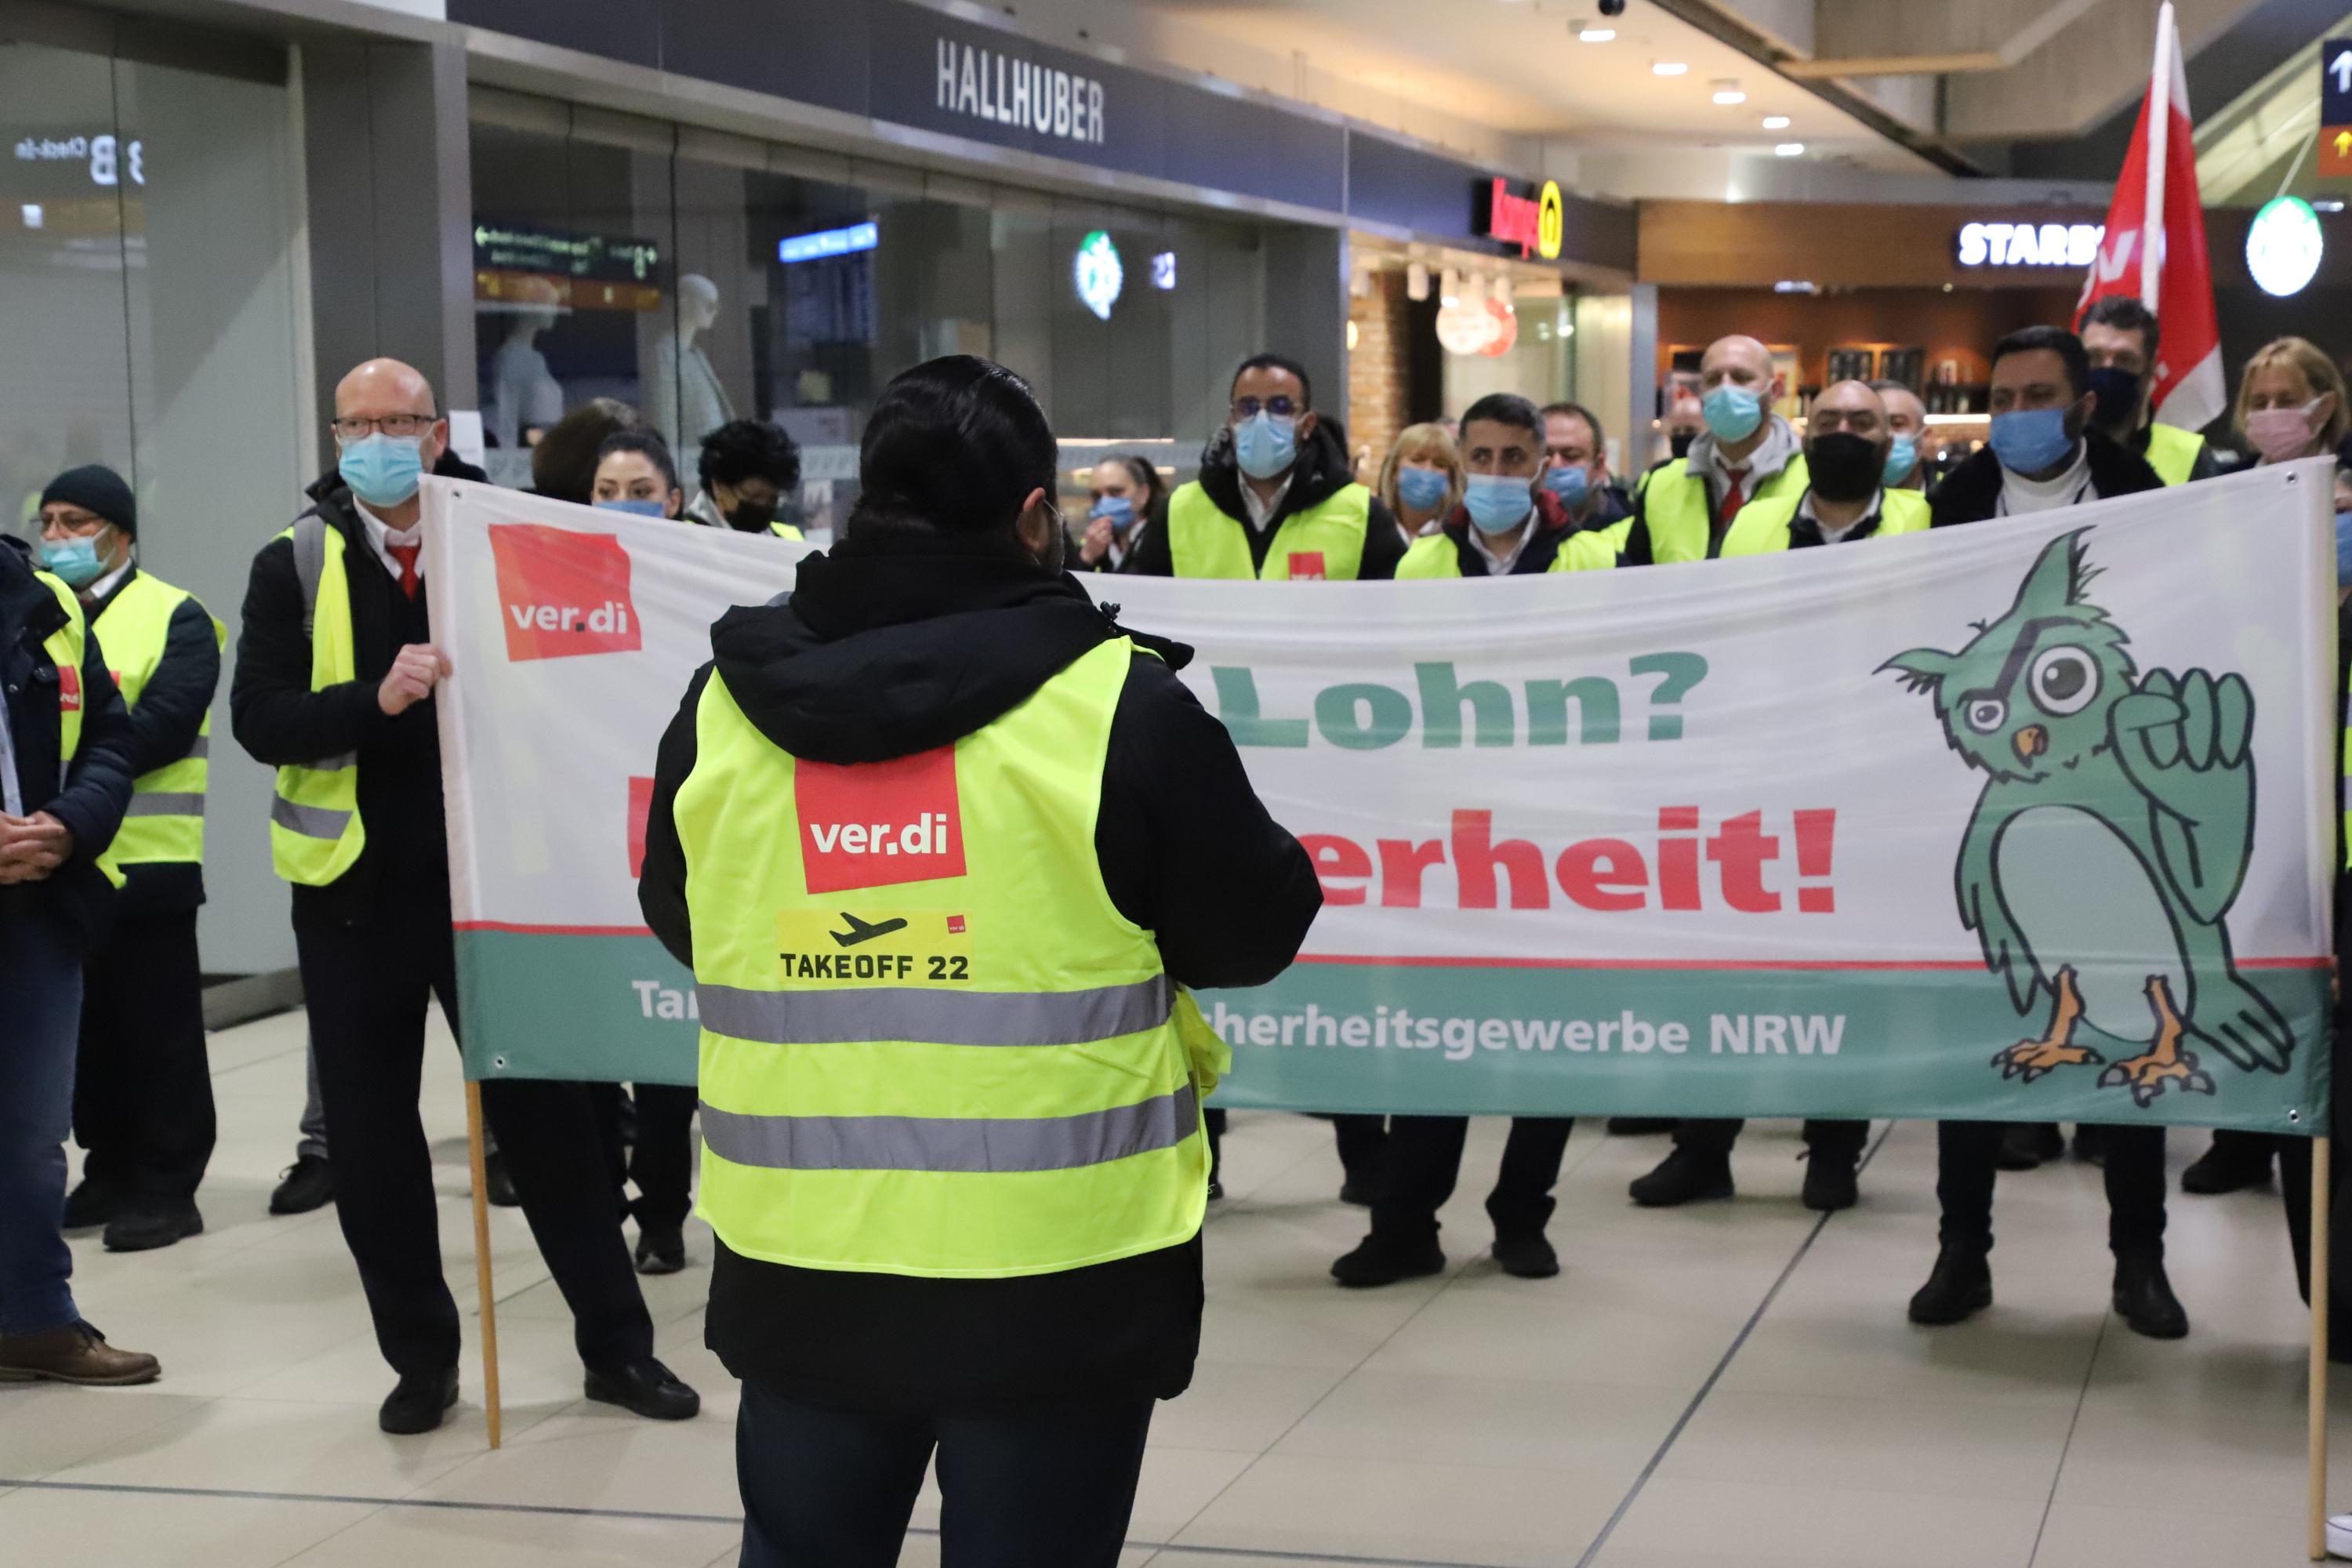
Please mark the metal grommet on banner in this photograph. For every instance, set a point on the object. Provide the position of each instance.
(2295, 1115)
(499, 1064)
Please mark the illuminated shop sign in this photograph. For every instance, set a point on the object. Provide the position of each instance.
(996, 87)
(1097, 273)
(1534, 223)
(1163, 270)
(2030, 243)
(827, 242)
(109, 161)
(2283, 244)
(594, 256)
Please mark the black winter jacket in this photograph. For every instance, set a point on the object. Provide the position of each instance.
(278, 720)
(1971, 492)
(1322, 467)
(171, 709)
(891, 648)
(90, 796)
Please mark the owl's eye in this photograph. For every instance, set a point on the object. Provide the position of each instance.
(2064, 679)
(1986, 714)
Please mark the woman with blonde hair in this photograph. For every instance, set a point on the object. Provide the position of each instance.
(1421, 479)
(2291, 402)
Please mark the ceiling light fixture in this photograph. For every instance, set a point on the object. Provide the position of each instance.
(1727, 91)
(1776, 122)
(1790, 150)
(1669, 67)
(1596, 35)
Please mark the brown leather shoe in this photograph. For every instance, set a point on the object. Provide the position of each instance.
(75, 1354)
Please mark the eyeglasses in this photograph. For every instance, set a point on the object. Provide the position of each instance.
(400, 427)
(1280, 406)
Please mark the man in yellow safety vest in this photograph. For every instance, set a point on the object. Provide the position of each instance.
(1748, 453)
(941, 935)
(2121, 335)
(142, 1089)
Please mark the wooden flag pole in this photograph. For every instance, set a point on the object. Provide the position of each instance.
(477, 1159)
(2318, 1380)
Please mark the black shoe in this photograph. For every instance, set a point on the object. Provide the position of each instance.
(1830, 1183)
(2091, 1146)
(91, 1204)
(2144, 1300)
(417, 1402)
(645, 1388)
(307, 1183)
(1216, 1189)
(1960, 1286)
(502, 1193)
(1638, 1126)
(1358, 1192)
(2227, 1167)
(1385, 1259)
(143, 1229)
(1683, 1176)
(1528, 1257)
(661, 1250)
(2025, 1145)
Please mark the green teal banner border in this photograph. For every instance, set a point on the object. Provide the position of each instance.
(1443, 1037)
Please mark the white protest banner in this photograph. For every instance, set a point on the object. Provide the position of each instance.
(2027, 820)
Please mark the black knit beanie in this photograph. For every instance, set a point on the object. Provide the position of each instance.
(99, 490)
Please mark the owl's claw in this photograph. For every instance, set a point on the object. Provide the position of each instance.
(2034, 1057)
(2147, 1077)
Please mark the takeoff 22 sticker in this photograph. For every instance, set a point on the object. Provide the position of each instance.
(875, 946)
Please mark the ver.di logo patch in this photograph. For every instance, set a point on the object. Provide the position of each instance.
(562, 593)
(875, 824)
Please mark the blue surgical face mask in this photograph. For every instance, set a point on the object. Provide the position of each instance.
(1264, 446)
(383, 470)
(1732, 412)
(1423, 490)
(1902, 456)
(2343, 550)
(1497, 503)
(1569, 483)
(648, 507)
(2031, 440)
(74, 561)
(1118, 509)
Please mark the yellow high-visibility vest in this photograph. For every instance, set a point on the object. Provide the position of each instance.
(932, 1044)
(784, 531)
(1762, 526)
(1682, 512)
(1205, 543)
(166, 821)
(64, 647)
(1437, 556)
(2172, 452)
(315, 832)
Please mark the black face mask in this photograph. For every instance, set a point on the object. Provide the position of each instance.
(1679, 443)
(1844, 466)
(750, 517)
(2119, 390)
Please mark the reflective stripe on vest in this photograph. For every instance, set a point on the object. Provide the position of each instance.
(166, 821)
(2172, 452)
(1439, 556)
(967, 1066)
(315, 832)
(1763, 526)
(1680, 509)
(64, 647)
(1203, 542)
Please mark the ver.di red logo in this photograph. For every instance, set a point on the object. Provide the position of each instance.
(1306, 566)
(873, 824)
(560, 593)
(69, 689)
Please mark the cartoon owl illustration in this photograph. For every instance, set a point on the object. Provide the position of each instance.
(2116, 820)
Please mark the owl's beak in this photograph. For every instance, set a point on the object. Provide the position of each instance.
(2031, 743)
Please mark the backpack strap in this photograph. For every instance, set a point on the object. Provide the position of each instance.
(310, 563)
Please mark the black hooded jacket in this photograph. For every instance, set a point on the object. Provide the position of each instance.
(890, 649)
(1321, 469)
(1971, 492)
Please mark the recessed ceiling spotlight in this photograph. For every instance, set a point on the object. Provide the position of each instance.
(1790, 150)
(1669, 67)
(1776, 122)
(1727, 91)
(1596, 35)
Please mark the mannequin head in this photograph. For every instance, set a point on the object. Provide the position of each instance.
(697, 304)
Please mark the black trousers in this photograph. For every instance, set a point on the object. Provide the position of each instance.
(1824, 1137)
(661, 1163)
(1967, 1159)
(142, 1089)
(1364, 1142)
(367, 987)
(826, 1488)
(1425, 1160)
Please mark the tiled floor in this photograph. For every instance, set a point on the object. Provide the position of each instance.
(1731, 1384)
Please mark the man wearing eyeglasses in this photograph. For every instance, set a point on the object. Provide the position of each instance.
(335, 675)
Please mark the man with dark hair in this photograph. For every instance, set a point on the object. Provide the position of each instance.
(1511, 522)
(2045, 452)
(1577, 474)
(1276, 497)
(749, 469)
(2120, 336)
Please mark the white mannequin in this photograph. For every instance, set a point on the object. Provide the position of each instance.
(524, 392)
(686, 399)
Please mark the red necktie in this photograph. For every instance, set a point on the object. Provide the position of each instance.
(407, 555)
(1733, 498)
